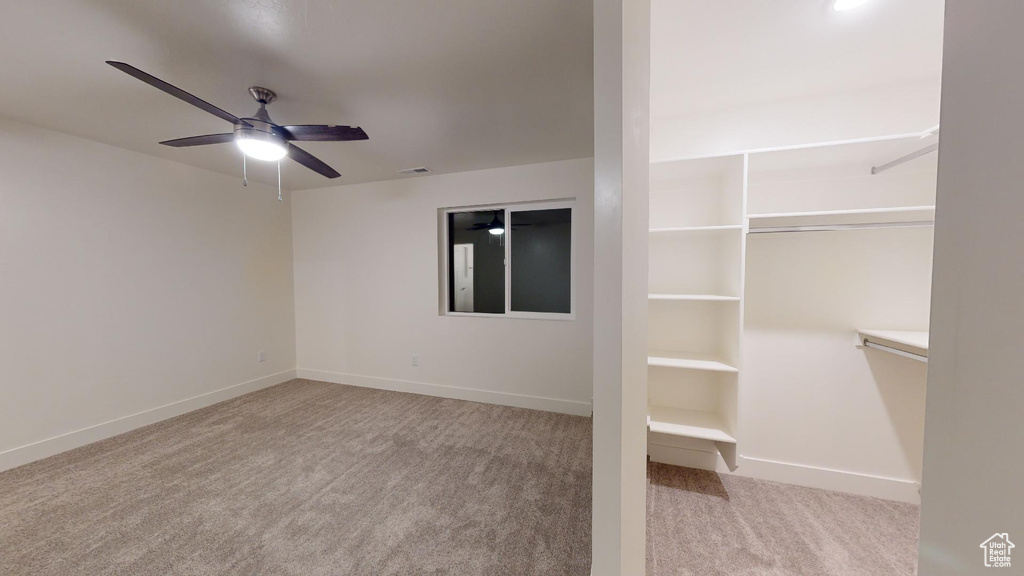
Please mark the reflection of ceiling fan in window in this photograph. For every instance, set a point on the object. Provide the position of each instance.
(495, 226)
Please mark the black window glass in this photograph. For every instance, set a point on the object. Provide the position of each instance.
(541, 250)
(476, 258)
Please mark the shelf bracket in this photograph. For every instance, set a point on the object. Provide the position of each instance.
(896, 351)
(728, 452)
(902, 159)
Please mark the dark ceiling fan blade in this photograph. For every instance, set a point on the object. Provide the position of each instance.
(312, 162)
(176, 92)
(200, 140)
(322, 133)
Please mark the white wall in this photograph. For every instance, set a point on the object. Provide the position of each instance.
(367, 292)
(132, 289)
(887, 110)
(973, 470)
(817, 410)
(621, 164)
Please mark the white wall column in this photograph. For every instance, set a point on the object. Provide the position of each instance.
(621, 161)
(972, 481)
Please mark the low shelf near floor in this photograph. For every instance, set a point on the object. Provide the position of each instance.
(696, 424)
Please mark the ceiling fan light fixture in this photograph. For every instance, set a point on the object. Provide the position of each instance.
(260, 145)
(496, 227)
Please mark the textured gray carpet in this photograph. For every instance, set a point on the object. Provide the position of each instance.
(702, 524)
(309, 478)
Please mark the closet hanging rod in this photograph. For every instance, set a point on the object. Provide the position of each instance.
(836, 227)
(902, 159)
(895, 351)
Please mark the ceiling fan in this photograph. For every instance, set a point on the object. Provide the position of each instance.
(257, 136)
(495, 226)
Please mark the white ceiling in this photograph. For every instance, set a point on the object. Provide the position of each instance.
(455, 86)
(715, 54)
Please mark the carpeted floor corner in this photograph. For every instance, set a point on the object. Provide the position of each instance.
(308, 478)
(700, 523)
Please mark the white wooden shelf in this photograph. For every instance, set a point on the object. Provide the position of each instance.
(696, 236)
(689, 229)
(694, 297)
(910, 342)
(870, 216)
(688, 424)
(688, 361)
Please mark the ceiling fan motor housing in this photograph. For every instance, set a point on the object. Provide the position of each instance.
(262, 95)
(261, 127)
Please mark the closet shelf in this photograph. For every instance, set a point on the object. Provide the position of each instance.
(905, 215)
(694, 297)
(688, 424)
(688, 361)
(912, 344)
(689, 229)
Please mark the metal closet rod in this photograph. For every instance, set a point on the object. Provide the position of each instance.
(904, 159)
(896, 351)
(836, 227)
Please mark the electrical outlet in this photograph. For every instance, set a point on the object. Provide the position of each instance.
(261, 356)
(415, 359)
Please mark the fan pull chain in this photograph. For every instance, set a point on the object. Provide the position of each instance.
(279, 199)
(245, 179)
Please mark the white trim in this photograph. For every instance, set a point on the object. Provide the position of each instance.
(866, 140)
(514, 315)
(51, 446)
(829, 479)
(787, 473)
(573, 407)
(857, 212)
(691, 229)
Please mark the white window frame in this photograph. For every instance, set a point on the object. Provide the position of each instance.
(508, 208)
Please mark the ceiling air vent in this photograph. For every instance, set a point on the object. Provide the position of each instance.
(420, 170)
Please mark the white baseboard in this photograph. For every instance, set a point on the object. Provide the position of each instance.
(828, 479)
(695, 456)
(51, 446)
(472, 394)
